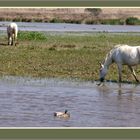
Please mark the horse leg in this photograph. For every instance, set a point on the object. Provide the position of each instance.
(9, 39)
(15, 40)
(133, 73)
(120, 72)
(12, 43)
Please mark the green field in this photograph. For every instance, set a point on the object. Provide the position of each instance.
(65, 55)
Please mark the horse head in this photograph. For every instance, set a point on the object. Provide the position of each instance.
(103, 72)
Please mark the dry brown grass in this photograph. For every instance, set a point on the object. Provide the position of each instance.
(120, 12)
(40, 14)
(47, 14)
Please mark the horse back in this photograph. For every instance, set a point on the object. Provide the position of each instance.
(125, 54)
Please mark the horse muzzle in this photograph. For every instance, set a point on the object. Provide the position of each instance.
(101, 79)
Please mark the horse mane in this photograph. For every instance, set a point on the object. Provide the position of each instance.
(112, 50)
(109, 54)
(116, 46)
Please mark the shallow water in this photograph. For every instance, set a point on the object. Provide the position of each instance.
(63, 27)
(26, 102)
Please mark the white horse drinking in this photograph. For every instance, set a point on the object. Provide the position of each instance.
(121, 55)
(12, 31)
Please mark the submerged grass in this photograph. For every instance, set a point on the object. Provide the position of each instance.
(65, 55)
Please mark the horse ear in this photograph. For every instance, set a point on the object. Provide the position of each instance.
(101, 65)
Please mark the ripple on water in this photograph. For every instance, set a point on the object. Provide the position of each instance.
(31, 102)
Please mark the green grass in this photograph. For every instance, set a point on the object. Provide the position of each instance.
(31, 36)
(78, 20)
(62, 55)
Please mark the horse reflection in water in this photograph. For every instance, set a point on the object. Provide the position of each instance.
(107, 88)
(121, 55)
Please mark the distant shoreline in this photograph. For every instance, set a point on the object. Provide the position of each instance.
(116, 16)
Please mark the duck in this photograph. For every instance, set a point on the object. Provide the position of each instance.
(62, 114)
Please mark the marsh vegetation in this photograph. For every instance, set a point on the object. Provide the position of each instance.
(66, 55)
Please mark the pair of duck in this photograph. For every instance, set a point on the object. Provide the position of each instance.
(62, 114)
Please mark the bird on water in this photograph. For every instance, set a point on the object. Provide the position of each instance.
(62, 114)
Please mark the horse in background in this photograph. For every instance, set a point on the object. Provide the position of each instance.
(12, 31)
(121, 55)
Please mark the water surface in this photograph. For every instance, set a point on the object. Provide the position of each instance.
(65, 27)
(27, 102)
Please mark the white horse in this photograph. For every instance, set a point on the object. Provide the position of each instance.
(121, 55)
(12, 31)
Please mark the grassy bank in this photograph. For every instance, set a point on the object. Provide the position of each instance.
(62, 55)
(75, 20)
